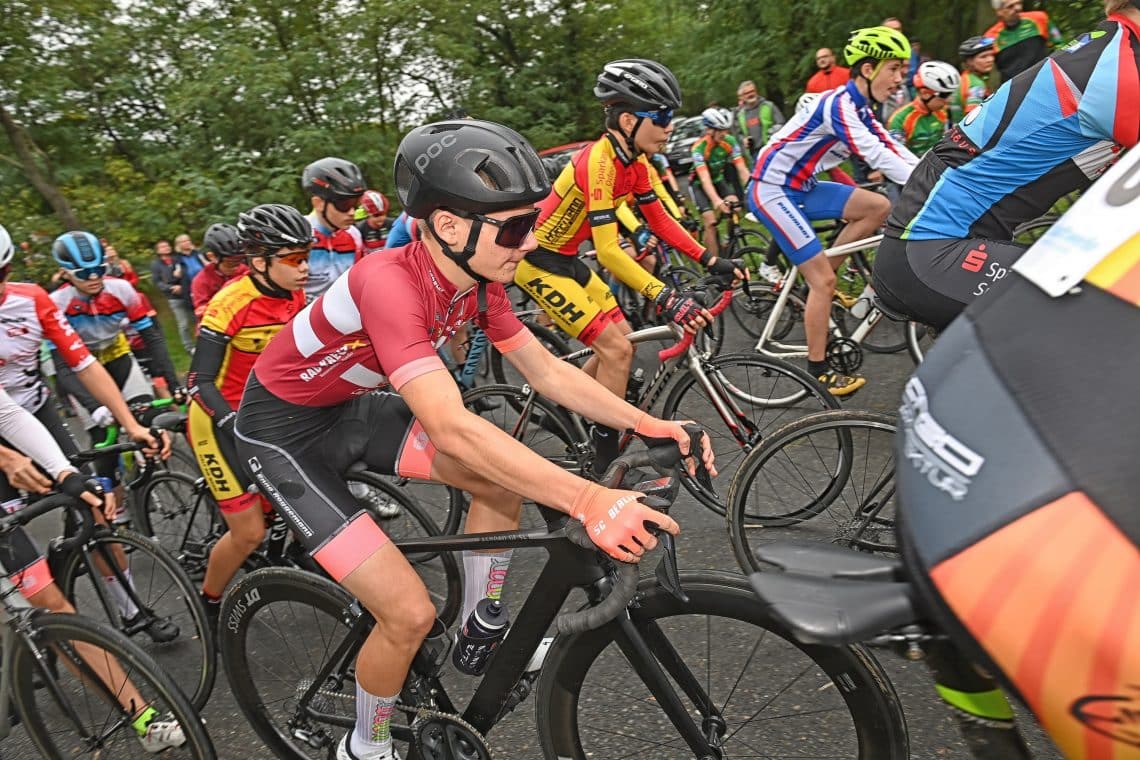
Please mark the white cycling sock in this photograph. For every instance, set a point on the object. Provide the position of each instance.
(372, 736)
(122, 599)
(484, 574)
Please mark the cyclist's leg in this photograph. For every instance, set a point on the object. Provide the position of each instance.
(708, 216)
(864, 211)
(306, 487)
(240, 509)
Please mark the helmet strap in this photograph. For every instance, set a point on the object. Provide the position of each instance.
(868, 80)
(269, 283)
(462, 259)
(324, 215)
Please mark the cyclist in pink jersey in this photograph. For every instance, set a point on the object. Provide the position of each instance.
(311, 410)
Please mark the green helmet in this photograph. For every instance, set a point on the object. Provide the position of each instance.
(878, 42)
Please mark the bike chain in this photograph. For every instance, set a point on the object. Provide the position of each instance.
(435, 735)
(844, 355)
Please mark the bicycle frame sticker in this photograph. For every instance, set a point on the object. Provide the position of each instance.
(1102, 221)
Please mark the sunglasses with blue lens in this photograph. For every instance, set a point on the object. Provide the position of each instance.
(662, 117)
(86, 273)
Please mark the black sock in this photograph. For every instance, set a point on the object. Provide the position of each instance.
(818, 369)
(605, 446)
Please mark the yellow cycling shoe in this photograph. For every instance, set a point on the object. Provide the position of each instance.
(846, 301)
(842, 385)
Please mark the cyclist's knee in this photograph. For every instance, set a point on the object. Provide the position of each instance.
(409, 619)
(612, 347)
(819, 275)
(247, 535)
(51, 598)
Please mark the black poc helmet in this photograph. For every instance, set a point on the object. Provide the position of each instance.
(467, 165)
(270, 226)
(332, 179)
(975, 45)
(224, 240)
(646, 85)
(471, 167)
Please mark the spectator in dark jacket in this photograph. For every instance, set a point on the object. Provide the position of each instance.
(172, 278)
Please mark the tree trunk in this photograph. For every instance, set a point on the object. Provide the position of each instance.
(41, 180)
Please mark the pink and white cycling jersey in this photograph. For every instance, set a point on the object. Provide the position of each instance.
(28, 317)
(380, 322)
(806, 144)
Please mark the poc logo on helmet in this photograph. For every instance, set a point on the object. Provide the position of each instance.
(433, 151)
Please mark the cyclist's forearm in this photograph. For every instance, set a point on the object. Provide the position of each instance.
(209, 355)
(486, 449)
(155, 343)
(572, 388)
(101, 385)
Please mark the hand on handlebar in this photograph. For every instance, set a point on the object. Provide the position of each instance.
(683, 310)
(652, 429)
(156, 443)
(618, 523)
(735, 267)
(22, 472)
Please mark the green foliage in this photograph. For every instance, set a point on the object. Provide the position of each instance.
(147, 119)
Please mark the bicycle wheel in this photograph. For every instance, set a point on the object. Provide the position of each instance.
(543, 426)
(68, 715)
(505, 373)
(179, 512)
(886, 336)
(828, 476)
(279, 627)
(438, 570)
(769, 696)
(751, 308)
(1030, 232)
(759, 394)
(919, 340)
(162, 600)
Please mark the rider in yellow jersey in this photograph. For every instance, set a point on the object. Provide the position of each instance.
(639, 98)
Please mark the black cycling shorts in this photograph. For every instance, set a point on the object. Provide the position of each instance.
(933, 280)
(701, 200)
(298, 456)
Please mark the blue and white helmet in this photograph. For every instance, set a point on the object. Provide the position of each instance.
(77, 250)
(716, 118)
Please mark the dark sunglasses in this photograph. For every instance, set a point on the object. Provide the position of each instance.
(662, 117)
(512, 231)
(344, 205)
(86, 273)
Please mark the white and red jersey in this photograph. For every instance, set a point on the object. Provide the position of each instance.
(806, 144)
(28, 317)
(331, 255)
(100, 319)
(380, 323)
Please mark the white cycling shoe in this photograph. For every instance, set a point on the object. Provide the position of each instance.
(162, 733)
(344, 751)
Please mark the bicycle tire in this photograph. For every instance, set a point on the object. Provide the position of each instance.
(555, 343)
(579, 667)
(769, 393)
(1028, 233)
(750, 308)
(192, 657)
(886, 336)
(821, 463)
(179, 512)
(438, 570)
(66, 629)
(246, 642)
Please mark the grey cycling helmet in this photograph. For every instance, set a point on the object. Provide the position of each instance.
(224, 240)
(716, 118)
(332, 179)
(646, 85)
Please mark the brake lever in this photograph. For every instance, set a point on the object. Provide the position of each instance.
(696, 450)
(667, 573)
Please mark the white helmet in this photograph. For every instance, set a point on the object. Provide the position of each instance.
(806, 102)
(938, 76)
(7, 252)
(716, 118)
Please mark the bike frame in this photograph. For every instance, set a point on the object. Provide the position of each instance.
(568, 567)
(775, 349)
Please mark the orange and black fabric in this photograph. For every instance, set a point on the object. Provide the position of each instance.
(1018, 496)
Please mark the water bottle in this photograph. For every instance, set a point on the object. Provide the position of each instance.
(480, 637)
(634, 384)
(863, 305)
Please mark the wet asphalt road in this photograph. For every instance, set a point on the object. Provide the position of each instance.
(703, 544)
